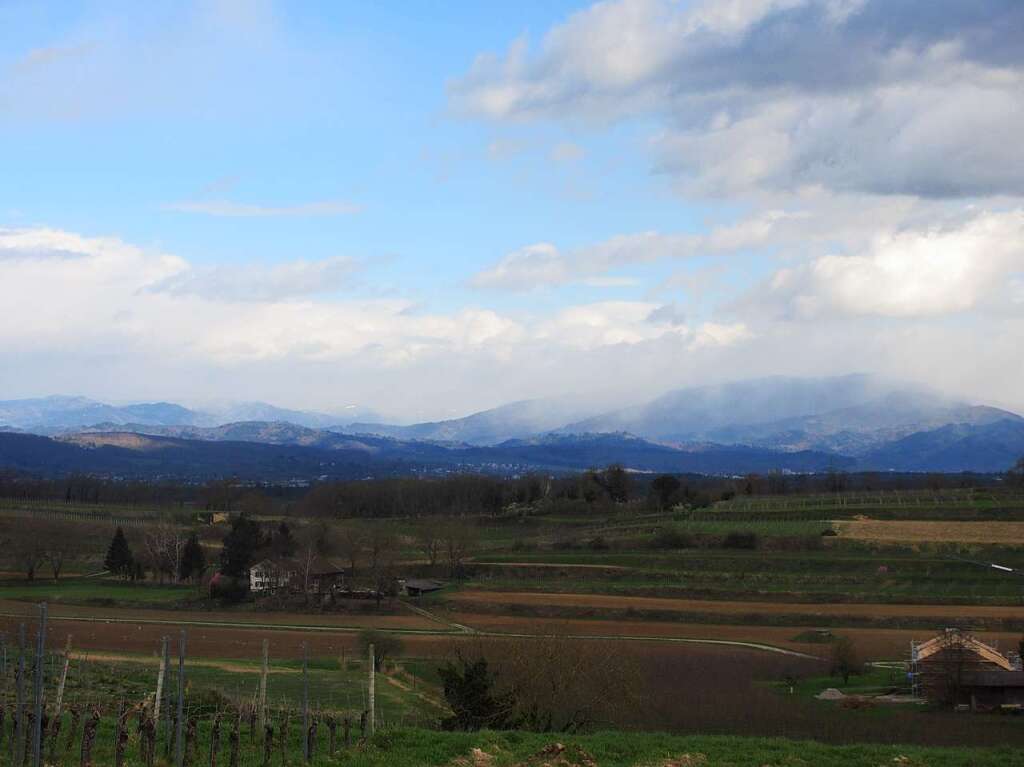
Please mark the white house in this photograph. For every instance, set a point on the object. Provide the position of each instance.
(268, 575)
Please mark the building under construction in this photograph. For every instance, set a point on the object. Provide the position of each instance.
(959, 670)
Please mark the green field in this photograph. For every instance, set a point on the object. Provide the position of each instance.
(404, 747)
(95, 591)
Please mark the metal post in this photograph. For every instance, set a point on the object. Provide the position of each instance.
(305, 700)
(179, 736)
(372, 691)
(37, 724)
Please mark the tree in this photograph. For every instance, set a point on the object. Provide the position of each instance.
(192, 564)
(119, 559)
(384, 646)
(381, 552)
(1015, 476)
(845, 659)
(469, 691)
(27, 546)
(164, 543)
(664, 488)
(615, 481)
(240, 546)
(283, 543)
(457, 541)
(429, 542)
(351, 541)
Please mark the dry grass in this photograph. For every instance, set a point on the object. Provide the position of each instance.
(1007, 533)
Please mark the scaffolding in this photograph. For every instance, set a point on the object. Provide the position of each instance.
(912, 673)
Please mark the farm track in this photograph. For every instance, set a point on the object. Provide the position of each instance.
(209, 638)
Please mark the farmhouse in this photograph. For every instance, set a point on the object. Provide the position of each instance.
(316, 576)
(958, 669)
(271, 574)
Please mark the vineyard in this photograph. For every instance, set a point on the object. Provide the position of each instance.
(67, 707)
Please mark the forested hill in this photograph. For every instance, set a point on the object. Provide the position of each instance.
(131, 455)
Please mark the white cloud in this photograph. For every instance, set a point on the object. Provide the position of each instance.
(914, 98)
(543, 265)
(262, 283)
(229, 209)
(100, 305)
(911, 273)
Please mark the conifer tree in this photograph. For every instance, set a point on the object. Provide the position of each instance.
(119, 560)
(193, 560)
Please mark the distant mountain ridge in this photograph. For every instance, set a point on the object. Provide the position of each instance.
(794, 424)
(53, 415)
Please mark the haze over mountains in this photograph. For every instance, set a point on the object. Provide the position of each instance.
(795, 424)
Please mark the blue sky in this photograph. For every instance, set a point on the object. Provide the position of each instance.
(432, 210)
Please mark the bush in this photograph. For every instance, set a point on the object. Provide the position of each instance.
(598, 543)
(672, 538)
(740, 540)
(565, 544)
(385, 646)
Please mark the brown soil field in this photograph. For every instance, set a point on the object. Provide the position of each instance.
(933, 532)
(612, 602)
(340, 620)
(874, 644)
(210, 642)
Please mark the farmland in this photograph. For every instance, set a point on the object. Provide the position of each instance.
(714, 606)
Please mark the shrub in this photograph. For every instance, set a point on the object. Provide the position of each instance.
(598, 543)
(669, 537)
(740, 540)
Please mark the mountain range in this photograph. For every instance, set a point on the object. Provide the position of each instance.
(793, 424)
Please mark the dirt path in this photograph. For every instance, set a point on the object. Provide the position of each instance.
(612, 602)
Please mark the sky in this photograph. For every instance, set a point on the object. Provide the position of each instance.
(432, 209)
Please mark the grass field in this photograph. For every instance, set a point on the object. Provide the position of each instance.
(95, 591)
(404, 747)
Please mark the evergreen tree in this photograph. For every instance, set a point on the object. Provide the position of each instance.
(284, 544)
(240, 546)
(470, 693)
(119, 558)
(193, 560)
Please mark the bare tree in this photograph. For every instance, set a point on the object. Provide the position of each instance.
(381, 553)
(351, 543)
(429, 542)
(27, 546)
(458, 540)
(164, 543)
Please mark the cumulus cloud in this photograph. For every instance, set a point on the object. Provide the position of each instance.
(925, 272)
(908, 97)
(109, 304)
